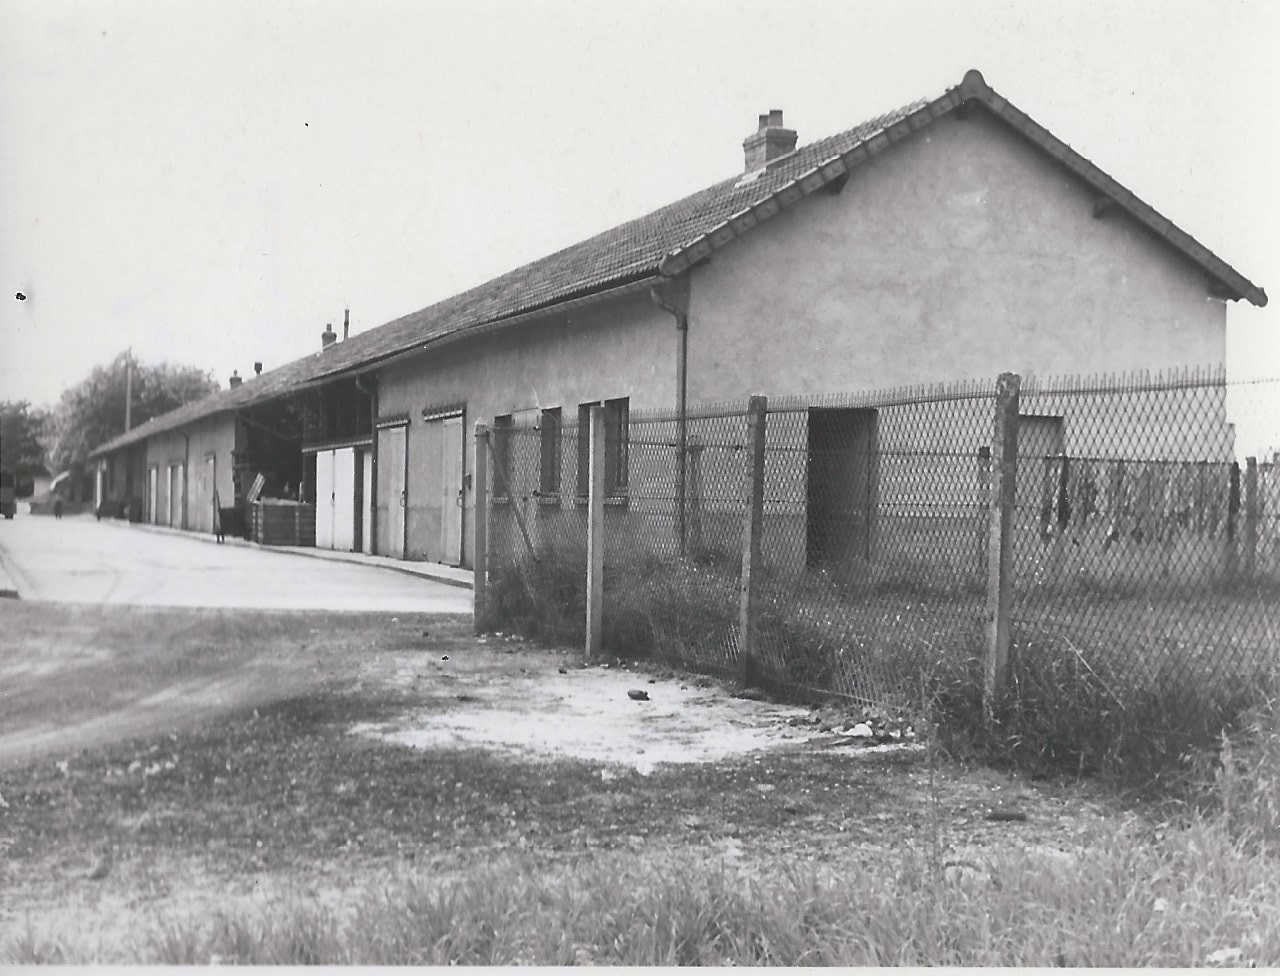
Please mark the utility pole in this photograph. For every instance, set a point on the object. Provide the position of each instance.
(128, 388)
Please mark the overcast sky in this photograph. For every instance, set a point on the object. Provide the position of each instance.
(211, 182)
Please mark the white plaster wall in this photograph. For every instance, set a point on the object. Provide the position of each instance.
(960, 252)
(622, 348)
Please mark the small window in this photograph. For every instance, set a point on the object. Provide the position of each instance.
(616, 425)
(549, 437)
(501, 442)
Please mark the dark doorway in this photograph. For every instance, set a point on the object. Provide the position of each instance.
(841, 490)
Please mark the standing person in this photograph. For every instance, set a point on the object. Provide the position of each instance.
(57, 506)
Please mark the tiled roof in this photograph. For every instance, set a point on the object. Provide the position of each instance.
(257, 389)
(667, 241)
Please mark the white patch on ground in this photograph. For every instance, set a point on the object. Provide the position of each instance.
(586, 714)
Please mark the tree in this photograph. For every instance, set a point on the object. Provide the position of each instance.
(20, 448)
(92, 412)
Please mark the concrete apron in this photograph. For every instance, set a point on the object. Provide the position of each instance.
(437, 572)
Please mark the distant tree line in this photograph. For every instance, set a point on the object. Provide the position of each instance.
(35, 440)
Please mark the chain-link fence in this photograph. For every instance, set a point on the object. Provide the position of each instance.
(1147, 535)
(874, 542)
(537, 532)
(1144, 537)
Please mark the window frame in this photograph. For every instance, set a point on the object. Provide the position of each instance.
(617, 425)
(500, 441)
(550, 475)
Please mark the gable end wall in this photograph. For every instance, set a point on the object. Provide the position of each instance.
(960, 253)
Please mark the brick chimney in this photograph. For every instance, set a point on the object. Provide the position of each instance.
(328, 337)
(346, 324)
(768, 142)
(257, 369)
(235, 379)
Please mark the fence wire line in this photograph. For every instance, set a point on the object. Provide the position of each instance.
(1145, 535)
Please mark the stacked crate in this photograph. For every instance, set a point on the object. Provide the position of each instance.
(281, 522)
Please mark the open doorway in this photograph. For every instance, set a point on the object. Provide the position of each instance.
(841, 488)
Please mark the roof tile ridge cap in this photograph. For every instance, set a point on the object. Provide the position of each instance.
(975, 86)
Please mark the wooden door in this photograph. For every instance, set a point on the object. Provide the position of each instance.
(392, 491)
(453, 491)
(175, 496)
(366, 501)
(344, 499)
(324, 499)
(209, 518)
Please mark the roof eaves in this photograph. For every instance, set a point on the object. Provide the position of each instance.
(638, 282)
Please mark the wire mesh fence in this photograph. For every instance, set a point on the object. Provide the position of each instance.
(673, 542)
(1144, 536)
(537, 531)
(875, 539)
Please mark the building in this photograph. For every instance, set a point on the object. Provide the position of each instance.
(952, 238)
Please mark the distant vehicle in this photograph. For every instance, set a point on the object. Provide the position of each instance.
(8, 503)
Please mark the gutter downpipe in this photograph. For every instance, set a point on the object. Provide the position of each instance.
(372, 501)
(672, 296)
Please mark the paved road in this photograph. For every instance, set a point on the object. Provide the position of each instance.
(80, 560)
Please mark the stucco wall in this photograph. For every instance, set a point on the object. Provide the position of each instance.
(215, 436)
(959, 253)
(163, 451)
(190, 447)
(623, 348)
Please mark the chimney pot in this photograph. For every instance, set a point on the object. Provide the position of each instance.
(235, 379)
(771, 141)
(257, 369)
(346, 324)
(328, 337)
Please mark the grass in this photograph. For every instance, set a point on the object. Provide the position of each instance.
(1197, 897)
(1124, 684)
(457, 856)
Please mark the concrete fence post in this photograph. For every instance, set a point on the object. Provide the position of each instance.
(1002, 497)
(480, 561)
(748, 667)
(595, 531)
(1249, 539)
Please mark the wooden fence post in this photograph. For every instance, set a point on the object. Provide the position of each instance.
(754, 491)
(1004, 484)
(595, 530)
(480, 560)
(1250, 555)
